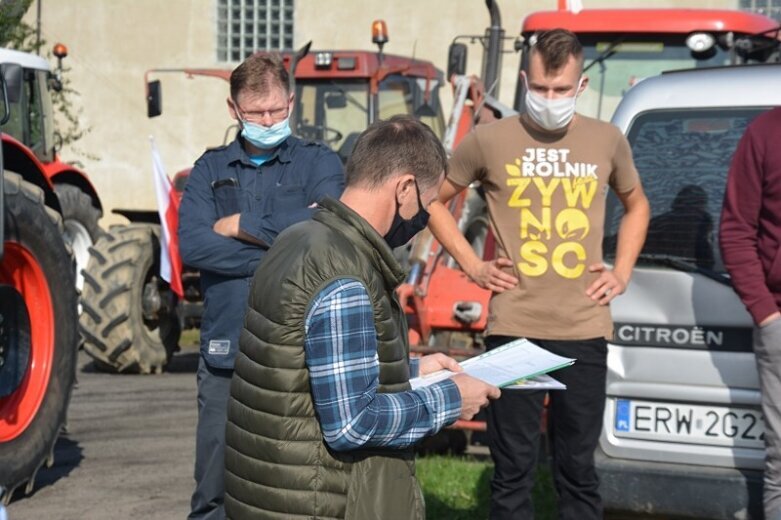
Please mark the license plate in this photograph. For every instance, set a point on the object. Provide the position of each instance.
(696, 424)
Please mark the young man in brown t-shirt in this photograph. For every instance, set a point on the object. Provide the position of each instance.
(545, 175)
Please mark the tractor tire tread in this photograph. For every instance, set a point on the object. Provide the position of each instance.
(39, 229)
(118, 320)
(94, 314)
(97, 255)
(117, 335)
(91, 339)
(88, 279)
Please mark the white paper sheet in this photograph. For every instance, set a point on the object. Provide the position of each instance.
(503, 366)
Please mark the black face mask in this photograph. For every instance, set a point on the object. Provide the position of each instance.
(401, 230)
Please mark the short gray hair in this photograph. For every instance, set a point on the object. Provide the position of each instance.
(401, 144)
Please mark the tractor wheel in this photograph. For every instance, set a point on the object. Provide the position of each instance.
(80, 219)
(38, 333)
(128, 319)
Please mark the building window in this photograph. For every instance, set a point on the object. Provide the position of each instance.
(771, 8)
(247, 26)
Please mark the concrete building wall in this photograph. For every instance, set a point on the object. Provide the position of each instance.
(111, 45)
(113, 42)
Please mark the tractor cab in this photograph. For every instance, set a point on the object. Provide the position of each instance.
(30, 146)
(340, 93)
(31, 120)
(622, 46)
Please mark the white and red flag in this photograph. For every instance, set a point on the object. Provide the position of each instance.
(575, 6)
(168, 208)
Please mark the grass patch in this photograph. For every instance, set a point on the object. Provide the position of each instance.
(190, 337)
(457, 488)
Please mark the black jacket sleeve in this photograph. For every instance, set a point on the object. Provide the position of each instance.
(325, 177)
(199, 245)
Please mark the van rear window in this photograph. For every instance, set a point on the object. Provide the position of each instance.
(683, 157)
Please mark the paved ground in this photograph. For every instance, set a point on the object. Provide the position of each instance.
(129, 450)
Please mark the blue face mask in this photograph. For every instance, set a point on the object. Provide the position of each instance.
(266, 137)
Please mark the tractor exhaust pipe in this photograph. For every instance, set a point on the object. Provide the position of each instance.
(298, 56)
(492, 59)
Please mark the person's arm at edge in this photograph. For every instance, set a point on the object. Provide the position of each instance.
(738, 231)
(487, 274)
(625, 182)
(631, 237)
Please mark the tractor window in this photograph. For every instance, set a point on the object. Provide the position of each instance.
(394, 98)
(630, 62)
(15, 125)
(47, 112)
(32, 93)
(683, 158)
(404, 95)
(29, 114)
(332, 112)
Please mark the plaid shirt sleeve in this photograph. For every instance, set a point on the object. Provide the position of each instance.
(341, 354)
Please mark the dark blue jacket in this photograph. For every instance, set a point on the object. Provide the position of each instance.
(270, 198)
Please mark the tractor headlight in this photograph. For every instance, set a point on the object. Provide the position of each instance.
(323, 59)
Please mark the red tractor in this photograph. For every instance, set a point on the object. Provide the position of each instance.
(38, 300)
(624, 46)
(131, 320)
(30, 144)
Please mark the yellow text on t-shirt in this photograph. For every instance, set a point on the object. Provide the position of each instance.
(536, 177)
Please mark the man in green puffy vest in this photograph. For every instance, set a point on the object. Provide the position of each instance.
(321, 418)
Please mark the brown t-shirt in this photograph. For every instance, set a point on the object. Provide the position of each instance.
(546, 203)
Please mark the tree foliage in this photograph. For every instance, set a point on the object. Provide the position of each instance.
(14, 32)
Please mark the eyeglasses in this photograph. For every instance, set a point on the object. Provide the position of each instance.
(259, 116)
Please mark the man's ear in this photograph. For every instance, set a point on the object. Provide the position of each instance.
(405, 186)
(583, 85)
(232, 109)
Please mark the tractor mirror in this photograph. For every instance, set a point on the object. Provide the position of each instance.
(12, 72)
(154, 99)
(55, 84)
(336, 100)
(456, 59)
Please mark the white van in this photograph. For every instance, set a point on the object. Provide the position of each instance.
(683, 429)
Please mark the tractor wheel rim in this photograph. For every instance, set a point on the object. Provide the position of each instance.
(20, 270)
(77, 236)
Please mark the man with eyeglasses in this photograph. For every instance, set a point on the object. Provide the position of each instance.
(237, 200)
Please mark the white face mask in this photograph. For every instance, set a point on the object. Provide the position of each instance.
(551, 114)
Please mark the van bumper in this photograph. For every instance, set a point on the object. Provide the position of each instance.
(679, 489)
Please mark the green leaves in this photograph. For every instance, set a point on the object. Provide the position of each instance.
(15, 33)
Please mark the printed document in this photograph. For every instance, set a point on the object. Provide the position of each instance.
(541, 382)
(503, 366)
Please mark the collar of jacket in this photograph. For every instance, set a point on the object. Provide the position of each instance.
(281, 153)
(364, 236)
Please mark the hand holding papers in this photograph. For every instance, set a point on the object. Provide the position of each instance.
(504, 366)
